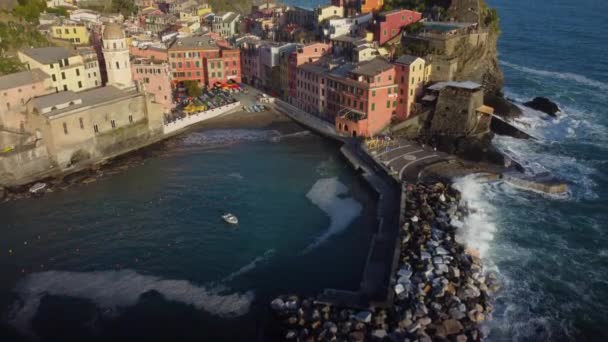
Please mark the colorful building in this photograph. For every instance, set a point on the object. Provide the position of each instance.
(75, 33)
(369, 6)
(323, 13)
(16, 90)
(205, 59)
(68, 69)
(410, 79)
(388, 25)
(154, 77)
(305, 54)
(226, 25)
(360, 99)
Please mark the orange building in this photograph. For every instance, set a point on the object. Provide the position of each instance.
(368, 6)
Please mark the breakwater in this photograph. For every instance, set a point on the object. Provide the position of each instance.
(439, 289)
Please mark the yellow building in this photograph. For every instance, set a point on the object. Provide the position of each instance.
(411, 74)
(69, 69)
(203, 9)
(328, 11)
(75, 33)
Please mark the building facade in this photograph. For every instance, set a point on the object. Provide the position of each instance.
(16, 90)
(388, 25)
(154, 78)
(411, 79)
(226, 25)
(204, 59)
(75, 33)
(68, 69)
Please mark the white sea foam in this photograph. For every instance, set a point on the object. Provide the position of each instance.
(567, 76)
(250, 266)
(478, 228)
(327, 194)
(112, 290)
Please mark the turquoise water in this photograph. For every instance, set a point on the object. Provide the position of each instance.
(145, 252)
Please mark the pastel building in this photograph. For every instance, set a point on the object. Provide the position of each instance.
(360, 99)
(226, 25)
(369, 6)
(323, 13)
(68, 69)
(75, 33)
(364, 100)
(16, 90)
(388, 25)
(410, 79)
(204, 59)
(154, 78)
(302, 55)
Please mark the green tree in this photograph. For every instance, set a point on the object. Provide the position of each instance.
(9, 65)
(29, 9)
(192, 88)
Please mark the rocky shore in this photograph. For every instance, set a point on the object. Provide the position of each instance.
(441, 292)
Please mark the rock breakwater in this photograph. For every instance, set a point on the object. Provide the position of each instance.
(441, 291)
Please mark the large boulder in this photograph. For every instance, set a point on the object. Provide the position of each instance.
(544, 105)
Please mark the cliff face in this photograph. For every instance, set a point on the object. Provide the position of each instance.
(480, 62)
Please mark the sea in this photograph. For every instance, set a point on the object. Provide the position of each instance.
(146, 252)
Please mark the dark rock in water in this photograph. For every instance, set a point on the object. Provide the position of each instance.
(502, 127)
(544, 105)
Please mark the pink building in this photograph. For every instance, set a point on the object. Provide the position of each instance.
(151, 52)
(388, 24)
(16, 90)
(306, 54)
(360, 99)
(365, 100)
(154, 77)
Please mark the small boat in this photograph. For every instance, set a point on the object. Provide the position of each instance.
(38, 188)
(229, 218)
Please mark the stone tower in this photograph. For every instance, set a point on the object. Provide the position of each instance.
(116, 54)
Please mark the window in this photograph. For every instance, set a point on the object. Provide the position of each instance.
(373, 93)
(384, 32)
(81, 123)
(95, 82)
(394, 104)
(131, 118)
(66, 31)
(234, 63)
(390, 77)
(114, 45)
(413, 80)
(65, 128)
(117, 65)
(79, 84)
(173, 65)
(95, 128)
(412, 92)
(219, 74)
(52, 66)
(63, 75)
(373, 107)
(389, 91)
(187, 64)
(388, 104)
(179, 64)
(65, 87)
(113, 123)
(172, 55)
(213, 74)
(197, 64)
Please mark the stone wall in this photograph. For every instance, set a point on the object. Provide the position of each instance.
(27, 163)
(455, 113)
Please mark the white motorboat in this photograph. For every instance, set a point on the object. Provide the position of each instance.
(229, 218)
